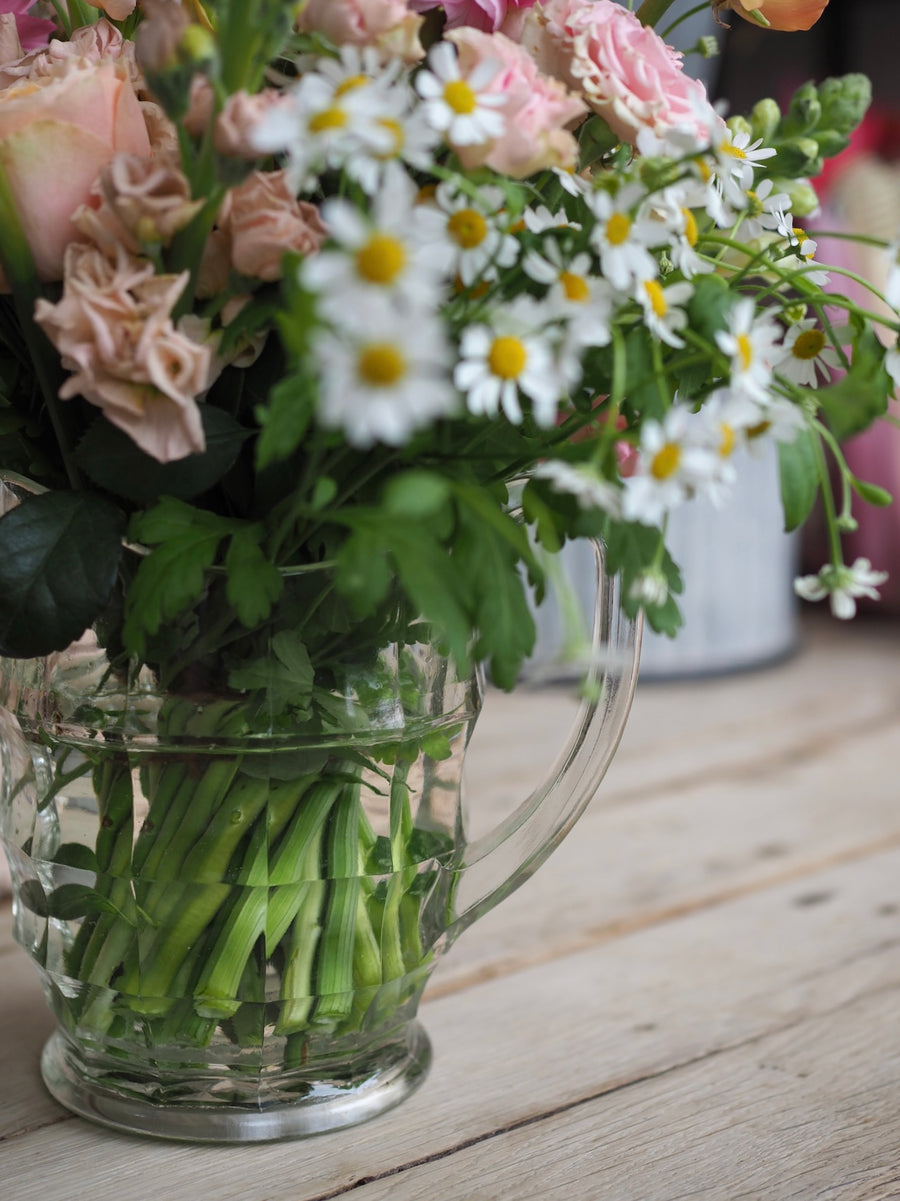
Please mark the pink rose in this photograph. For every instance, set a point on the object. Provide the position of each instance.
(480, 14)
(263, 219)
(536, 108)
(57, 132)
(114, 331)
(32, 31)
(627, 73)
(387, 23)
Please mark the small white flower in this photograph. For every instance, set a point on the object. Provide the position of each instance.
(539, 220)
(576, 292)
(736, 159)
(841, 584)
(674, 463)
(806, 353)
(802, 247)
(622, 240)
(376, 256)
(672, 209)
(456, 105)
(892, 364)
(752, 346)
(385, 383)
(466, 237)
(767, 211)
(650, 588)
(662, 314)
(583, 482)
(510, 356)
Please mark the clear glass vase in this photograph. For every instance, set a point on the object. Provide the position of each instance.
(235, 902)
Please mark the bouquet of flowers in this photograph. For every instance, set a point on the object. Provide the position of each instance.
(296, 298)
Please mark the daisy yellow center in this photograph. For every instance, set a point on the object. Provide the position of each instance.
(327, 119)
(703, 169)
(618, 227)
(350, 84)
(734, 151)
(665, 462)
(754, 204)
(381, 365)
(691, 233)
(727, 443)
(381, 259)
(507, 358)
(657, 297)
(460, 97)
(809, 344)
(395, 129)
(801, 236)
(468, 228)
(575, 287)
(745, 351)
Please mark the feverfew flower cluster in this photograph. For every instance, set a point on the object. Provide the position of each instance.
(479, 244)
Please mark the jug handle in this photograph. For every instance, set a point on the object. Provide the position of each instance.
(499, 862)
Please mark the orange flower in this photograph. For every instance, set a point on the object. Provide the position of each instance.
(786, 15)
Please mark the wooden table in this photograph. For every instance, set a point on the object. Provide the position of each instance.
(698, 996)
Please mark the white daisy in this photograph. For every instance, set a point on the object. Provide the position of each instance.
(375, 256)
(752, 346)
(662, 314)
(841, 584)
(807, 353)
(465, 237)
(621, 239)
(457, 105)
(384, 384)
(677, 217)
(804, 248)
(510, 356)
(539, 220)
(673, 464)
(736, 158)
(583, 482)
(576, 291)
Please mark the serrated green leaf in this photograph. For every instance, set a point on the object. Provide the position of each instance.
(798, 464)
(254, 583)
(285, 418)
(59, 554)
(112, 460)
(284, 678)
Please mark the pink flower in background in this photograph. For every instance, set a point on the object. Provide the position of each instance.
(387, 23)
(480, 14)
(33, 31)
(627, 73)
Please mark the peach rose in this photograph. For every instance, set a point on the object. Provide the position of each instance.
(537, 108)
(387, 23)
(114, 331)
(263, 219)
(57, 133)
(626, 72)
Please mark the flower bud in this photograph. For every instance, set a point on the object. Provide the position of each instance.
(804, 199)
(764, 119)
(799, 156)
(803, 112)
(844, 101)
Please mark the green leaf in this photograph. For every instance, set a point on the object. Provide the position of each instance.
(416, 494)
(432, 581)
(872, 494)
(172, 577)
(364, 572)
(254, 583)
(113, 461)
(33, 897)
(285, 418)
(77, 855)
(798, 463)
(284, 677)
(851, 404)
(59, 554)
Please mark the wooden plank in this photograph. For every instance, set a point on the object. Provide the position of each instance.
(526, 1047)
(774, 1119)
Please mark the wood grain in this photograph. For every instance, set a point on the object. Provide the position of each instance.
(696, 997)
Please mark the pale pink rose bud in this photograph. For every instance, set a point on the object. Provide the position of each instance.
(239, 117)
(388, 24)
(201, 105)
(265, 219)
(159, 35)
(117, 9)
(137, 201)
